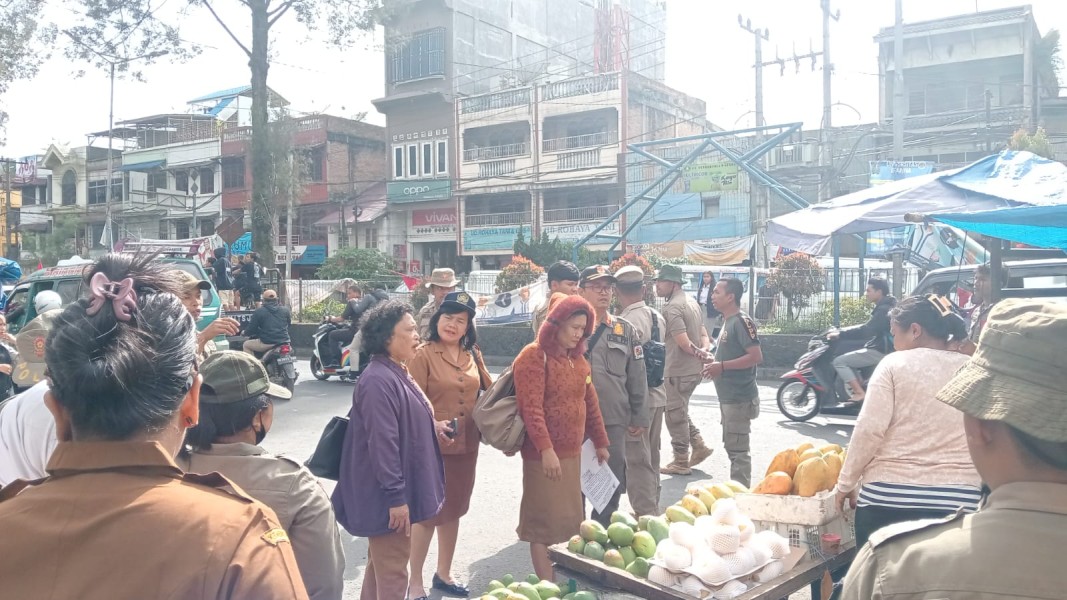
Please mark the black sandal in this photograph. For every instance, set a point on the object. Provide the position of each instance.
(450, 589)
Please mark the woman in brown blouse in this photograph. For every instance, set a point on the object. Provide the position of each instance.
(449, 369)
(559, 407)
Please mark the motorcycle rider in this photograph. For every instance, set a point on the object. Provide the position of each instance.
(875, 331)
(269, 326)
(358, 303)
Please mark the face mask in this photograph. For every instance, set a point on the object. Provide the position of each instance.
(260, 434)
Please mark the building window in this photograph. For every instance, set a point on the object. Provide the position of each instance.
(207, 227)
(97, 234)
(413, 161)
(370, 237)
(233, 173)
(164, 230)
(156, 181)
(207, 180)
(181, 181)
(70, 188)
(181, 230)
(442, 157)
(422, 54)
(97, 192)
(427, 159)
(317, 164)
(398, 162)
(917, 102)
(711, 207)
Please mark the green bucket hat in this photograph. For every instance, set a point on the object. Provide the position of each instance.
(1019, 372)
(232, 376)
(671, 273)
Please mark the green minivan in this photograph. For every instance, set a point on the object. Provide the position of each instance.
(69, 283)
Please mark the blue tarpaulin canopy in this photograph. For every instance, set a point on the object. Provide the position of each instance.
(1010, 179)
(9, 270)
(1041, 226)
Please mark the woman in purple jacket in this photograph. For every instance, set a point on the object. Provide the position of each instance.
(391, 473)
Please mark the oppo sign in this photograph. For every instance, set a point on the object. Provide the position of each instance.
(417, 191)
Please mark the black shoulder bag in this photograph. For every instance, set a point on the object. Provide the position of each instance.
(655, 354)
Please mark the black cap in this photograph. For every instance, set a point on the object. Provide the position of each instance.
(563, 270)
(594, 273)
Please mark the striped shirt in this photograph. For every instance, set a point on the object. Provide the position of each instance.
(948, 498)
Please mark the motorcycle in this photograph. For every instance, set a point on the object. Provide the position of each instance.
(280, 364)
(347, 372)
(813, 386)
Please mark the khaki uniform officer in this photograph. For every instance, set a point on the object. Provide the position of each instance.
(685, 328)
(1015, 419)
(442, 282)
(233, 381)
(617, 360)
(563, 278)
(159, 507)
(643, 485)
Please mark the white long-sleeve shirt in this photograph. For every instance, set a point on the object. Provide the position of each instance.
(903, 433)
(27, 436)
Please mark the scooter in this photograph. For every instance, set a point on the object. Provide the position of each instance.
(347, 372)
(280, 364)
(814, 387)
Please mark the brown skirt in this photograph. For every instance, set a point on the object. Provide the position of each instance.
(459, 485)
(551, 511)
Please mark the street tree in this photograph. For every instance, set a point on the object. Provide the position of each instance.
(23, 40)
(519, 272)
(1048, 62)
(369, 267)
(1036, 142)
(798, 277)
(339, 19)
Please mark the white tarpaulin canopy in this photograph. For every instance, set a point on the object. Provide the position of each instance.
(1000, 181)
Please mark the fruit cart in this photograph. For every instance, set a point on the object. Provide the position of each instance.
(615, 584)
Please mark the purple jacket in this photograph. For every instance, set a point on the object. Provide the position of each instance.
(390, 454)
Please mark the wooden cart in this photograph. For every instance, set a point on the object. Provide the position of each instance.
(615, 584)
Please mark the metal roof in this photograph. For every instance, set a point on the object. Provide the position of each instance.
(276, 99)
(970, 20)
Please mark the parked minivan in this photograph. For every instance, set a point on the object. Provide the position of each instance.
(69, 283)
(957, 283)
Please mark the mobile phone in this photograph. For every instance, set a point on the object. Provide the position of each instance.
(454, 424)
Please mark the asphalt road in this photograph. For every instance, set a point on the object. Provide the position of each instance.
(488, 547)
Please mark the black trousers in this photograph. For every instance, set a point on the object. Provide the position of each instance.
(335, 341)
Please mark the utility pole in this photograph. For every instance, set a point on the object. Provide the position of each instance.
(757, 196)
(9, 176)
(826, 157)
(899, 108)
(289, 219)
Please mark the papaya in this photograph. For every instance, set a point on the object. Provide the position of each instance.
(678, 514)
(694, 505)
(705, 497)
(811, 453)
(833, 460)
(737, 487)
(720, 491)
(778, 483)
(813, 476)
(804, 447)
(828, 448)
(786, 462)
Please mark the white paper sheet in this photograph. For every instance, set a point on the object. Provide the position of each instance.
(598, 482)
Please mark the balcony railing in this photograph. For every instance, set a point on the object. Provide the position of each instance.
(578, 160)
(496, 100)
(496, 152)
(579, 86)
(581, 213)
(496, 168)
(497, 219)
(966, 119)
(589, 140)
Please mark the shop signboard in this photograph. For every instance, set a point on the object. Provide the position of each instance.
(433, 223)
(575, 231)
(884, 171)
(711, 177)
(490, 238)
(419, 190)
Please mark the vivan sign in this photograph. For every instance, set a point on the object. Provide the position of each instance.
(419, 191)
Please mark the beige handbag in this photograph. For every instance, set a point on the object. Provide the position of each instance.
(497, 414)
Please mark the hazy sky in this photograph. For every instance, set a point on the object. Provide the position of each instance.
(709, 56)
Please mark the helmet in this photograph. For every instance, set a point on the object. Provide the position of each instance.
(46, 301)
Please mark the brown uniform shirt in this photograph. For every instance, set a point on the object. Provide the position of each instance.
(452, 387)
(303, 508)
(639, 315)
(423, 318)
(1008, 550)
(683, 316)
(118, 520)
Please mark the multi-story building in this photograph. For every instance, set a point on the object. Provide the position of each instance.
(447, 62)
(970, 81)
(77, 190)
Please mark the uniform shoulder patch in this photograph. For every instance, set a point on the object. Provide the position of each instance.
(639, 353)
(898, 530)
(618, 329)
(275, 536)
(750, 326)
